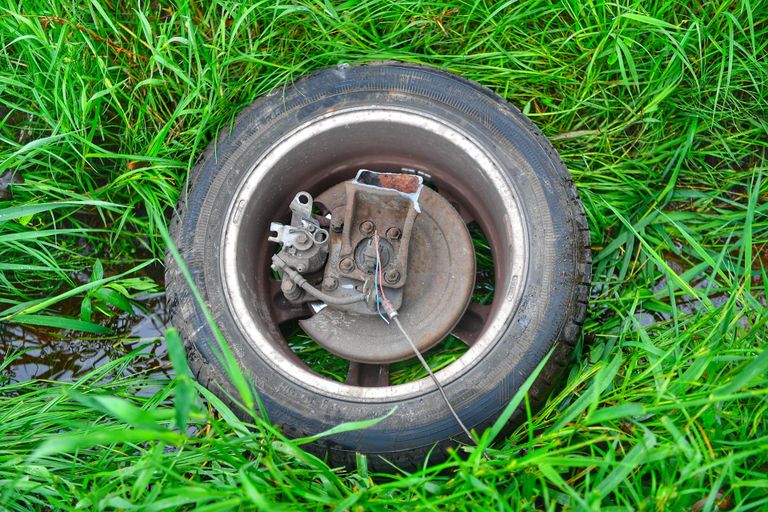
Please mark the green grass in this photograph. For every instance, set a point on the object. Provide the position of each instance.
(657, 108)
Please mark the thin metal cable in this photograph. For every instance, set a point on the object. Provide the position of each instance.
(392, 313)
(377, 276)
(434, 379)
(380, 292)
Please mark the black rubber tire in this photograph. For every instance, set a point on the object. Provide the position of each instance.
(551, 312)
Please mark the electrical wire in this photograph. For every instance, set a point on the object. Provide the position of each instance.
(376, 276)
(429, 371)
(380, 274)
(393, 315)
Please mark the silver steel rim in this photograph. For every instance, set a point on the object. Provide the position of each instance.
(375, 119)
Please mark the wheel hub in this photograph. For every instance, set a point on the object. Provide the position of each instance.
(397, 238)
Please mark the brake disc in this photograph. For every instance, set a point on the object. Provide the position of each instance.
(438, 288)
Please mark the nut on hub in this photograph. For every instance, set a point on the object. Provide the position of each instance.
(347, 265)
(394, 233)
(367, 228)
(392, 276)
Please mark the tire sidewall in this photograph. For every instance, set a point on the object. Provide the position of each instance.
(549, 288)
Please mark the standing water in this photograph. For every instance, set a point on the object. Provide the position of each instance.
(56, 355)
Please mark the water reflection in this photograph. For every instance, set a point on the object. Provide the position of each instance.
(51, 354)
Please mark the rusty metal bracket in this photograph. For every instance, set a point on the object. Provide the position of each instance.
(383, 202)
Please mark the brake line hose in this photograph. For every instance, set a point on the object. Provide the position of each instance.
(299, 280)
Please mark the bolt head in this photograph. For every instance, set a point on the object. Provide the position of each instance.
(330, 283)
(392, 276)
(291, 290)
(394, 233)
(347, 265)
(367, 227)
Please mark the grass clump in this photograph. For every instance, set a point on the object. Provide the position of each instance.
(659, 111)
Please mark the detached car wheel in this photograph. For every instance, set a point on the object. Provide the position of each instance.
(359, 193)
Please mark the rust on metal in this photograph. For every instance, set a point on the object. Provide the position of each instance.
(405, 183)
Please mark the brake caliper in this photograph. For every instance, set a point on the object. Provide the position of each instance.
(304, 244)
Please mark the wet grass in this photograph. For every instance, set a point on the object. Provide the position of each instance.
(659, 111)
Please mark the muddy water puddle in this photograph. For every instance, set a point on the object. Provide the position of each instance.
(53, 355)
(46, 354)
